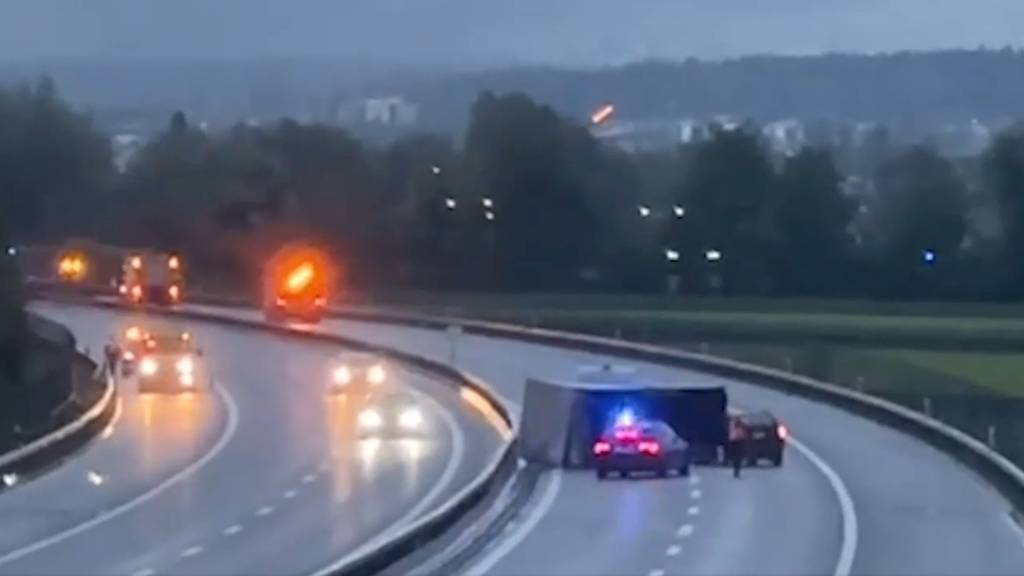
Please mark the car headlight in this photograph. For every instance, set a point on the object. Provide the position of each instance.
(148, 366)
(370, 419)
(376, 374)
(186, 379)
(342, 375)
(185, 365)
(410, 418)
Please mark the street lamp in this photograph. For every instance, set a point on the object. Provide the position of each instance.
(929, 256)
(450, 203)
(489, 215)
(679, 211)
(487, 202)
(713, 255)
(671, 255)
(435, 169)
(644, 211)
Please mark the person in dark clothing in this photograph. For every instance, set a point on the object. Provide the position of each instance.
(112, 354)
(737, 445)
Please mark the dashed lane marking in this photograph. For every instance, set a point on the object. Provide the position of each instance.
(232, 530)
(265, 511)
(144, 572)
(290, 494)
(673, 550)
(684, 531)
(657, 572)
(693, 511)
(696, 494)
(190, 552)
(308, 479)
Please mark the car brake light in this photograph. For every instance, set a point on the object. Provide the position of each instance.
(137, 292)
(320, 301)
(280, 301)
(782, 431)
(649, 447)
(601, 448)
(128, 355)
(174, 292)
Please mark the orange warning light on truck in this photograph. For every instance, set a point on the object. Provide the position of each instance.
(298, 282)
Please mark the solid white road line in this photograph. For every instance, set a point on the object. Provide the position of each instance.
(1015, 527)
(183, 474)
(533, 517)
(442, 484)
(118, 410)
(849, 547)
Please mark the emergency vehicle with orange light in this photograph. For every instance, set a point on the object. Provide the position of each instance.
(297, 284)
(152, 278)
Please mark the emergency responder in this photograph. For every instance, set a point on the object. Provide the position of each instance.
(112, 355)
(737, 445)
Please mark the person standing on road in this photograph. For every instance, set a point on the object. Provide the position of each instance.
(737, 445)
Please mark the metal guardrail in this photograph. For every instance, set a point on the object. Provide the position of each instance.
(54, 446)
(375, 556)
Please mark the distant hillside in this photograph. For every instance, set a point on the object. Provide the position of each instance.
(911, 92)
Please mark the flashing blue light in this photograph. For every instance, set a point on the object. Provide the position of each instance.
(625, 417)
(928, 256)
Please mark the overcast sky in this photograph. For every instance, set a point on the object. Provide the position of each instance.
(460, 32)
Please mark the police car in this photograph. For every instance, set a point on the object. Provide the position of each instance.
(632, 444)
(357, 373)
(765, 437)
(391, 414)
(172, 363)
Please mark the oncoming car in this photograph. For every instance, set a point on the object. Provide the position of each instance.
(357, 373)
(634, 445)
(172, 363)
(391, 414)
(131, 347)
(765, 437)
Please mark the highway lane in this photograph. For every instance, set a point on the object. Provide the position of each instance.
(290, 490)
(916, 511)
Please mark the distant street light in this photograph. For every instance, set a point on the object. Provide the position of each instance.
(435, 169)
(713, 255)
(679, 211)
(487, 202)
(929, 256)
(450, 203)
(671, 255)
(489, 215)
(644, 211)
(12, 251)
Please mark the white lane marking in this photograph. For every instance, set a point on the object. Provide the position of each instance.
(190, 552)
(694, 480)
(289, 494)
(696, 493)
(685, 531)
(1015, 527)
(308, 479)
(446, 478)
(144, 572)
(233, 529)
(673, 550)
(225, 437)
(849, 548)
(118, 409)
(693, 511)
(94, 478)
(534, 516)
(658, 572)
(265, 511)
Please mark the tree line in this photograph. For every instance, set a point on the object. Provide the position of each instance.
(526, 200)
